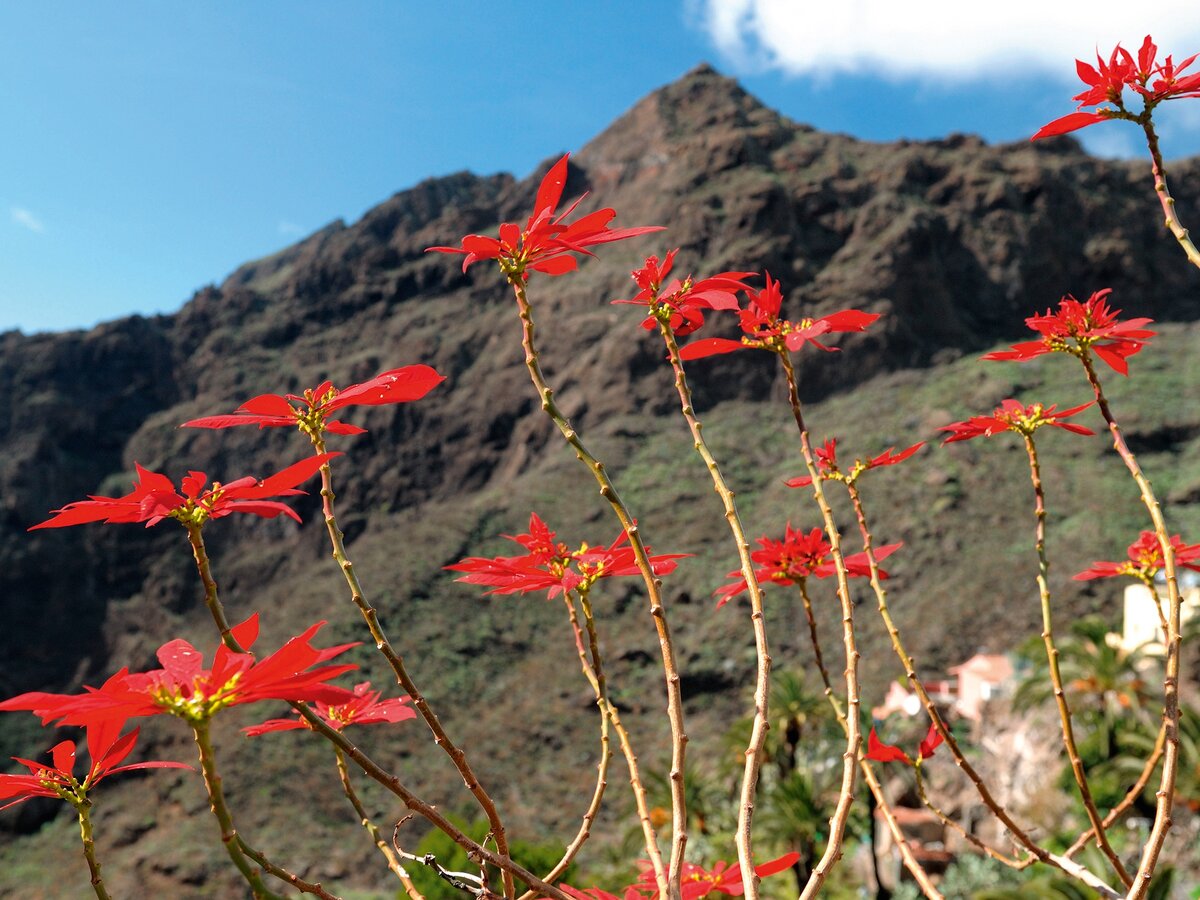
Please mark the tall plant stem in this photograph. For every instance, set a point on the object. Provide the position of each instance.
(762, 682)
(371, 617)
(1165, 796)
(1164, 196)
(910, 667)
(920, 876)
(430, 813)
(1060, 696)
(372, 829)
(594, 672)
(373, 770)
(216, 799)
(1069, 866)
(1130, 796)
(212, 598)
(670, 888)
(966, 835)
(305, 887)
(589, 815)
(837, 824)
(83, 808)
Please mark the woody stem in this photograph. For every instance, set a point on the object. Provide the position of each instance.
(305, 887)
(372, 829)
(589, 816)
(211, 598)
(1171, 217)
(430, 813)
(802, 584)
(216, 799)
(1060, 697)
(758, 730)
(906, 855)
(668, 885)
(371, 617)
(967, 836)
(83, 808)
(610, 710)
(837, 825)
(1131, 795)
(918, 685)
(1165, 796)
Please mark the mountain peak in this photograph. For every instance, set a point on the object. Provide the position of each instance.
(690, 118)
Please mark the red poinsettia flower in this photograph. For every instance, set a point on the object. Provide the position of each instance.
(107, 750)
(765, 330)
(182, 687)
(155, 498)
(723, 878)
(1014, 416)
(549, 565)
(798, 556)
(547, 240)
(826, 460)
(310, 412)
(361, 706)
(878, 751)
(681, 304)
(1145, 559)
(1079, 327)
(1107, 81)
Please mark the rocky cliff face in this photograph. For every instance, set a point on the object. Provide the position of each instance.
(954, 241)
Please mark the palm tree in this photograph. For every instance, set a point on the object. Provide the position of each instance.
(1106, 684)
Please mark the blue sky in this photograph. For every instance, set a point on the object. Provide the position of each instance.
(150, 148)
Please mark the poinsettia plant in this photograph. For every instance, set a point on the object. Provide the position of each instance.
(551, 243)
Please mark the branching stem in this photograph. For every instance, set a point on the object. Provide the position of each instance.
(906, 855)
(372, 829)
(762, 683)
(403, 678)
(1060, 696)
(668, 884)
(89, 848)
(1166, 789)
(841, 814)
(1171, 217)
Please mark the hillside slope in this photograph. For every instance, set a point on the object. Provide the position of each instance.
(953, 241)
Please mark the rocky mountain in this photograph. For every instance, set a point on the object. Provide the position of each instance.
(954, 241)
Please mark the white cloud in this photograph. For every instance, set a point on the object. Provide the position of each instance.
(289, 229)
(938, 38)
(26, 219)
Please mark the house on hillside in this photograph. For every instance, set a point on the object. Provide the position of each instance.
(971, 685)
(1145, 609)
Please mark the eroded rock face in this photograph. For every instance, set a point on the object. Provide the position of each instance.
(953, 240)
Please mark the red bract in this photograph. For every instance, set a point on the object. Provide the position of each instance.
(798, 556)
(878, 751)
(765, 330)
(310, 412)
(1078, 327)
(681, 304)
(827, 465)
(1145, 559)
(546, 242)
(550, 566)
(182, 687)
(696, 881)
(361, 706)
(154, 498)
(1013, 416)
(1107, 81)
(58, 780)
